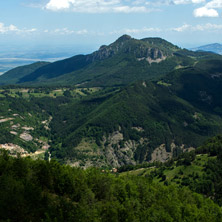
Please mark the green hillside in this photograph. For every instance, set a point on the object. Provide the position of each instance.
(13, 76)
(113, 126)
(24, 125)
(200, 170)
(127, 126)
(175, 113)
(124, 61)
(130, 102)
(117, 56)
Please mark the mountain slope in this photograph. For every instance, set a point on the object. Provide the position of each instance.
(145, 121)
(117, 58)
(140, 121)
(200, 170)
(120, 63)
(13, 76)
(127, 126)
(57, 68)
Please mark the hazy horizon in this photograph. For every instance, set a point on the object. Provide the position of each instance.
(90, 23)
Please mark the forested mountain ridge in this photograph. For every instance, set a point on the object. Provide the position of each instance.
(144, 121)
(177, 112)
(122, 62)
(129, 118)
(120, 53)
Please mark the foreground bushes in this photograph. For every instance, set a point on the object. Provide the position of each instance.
(42, 191)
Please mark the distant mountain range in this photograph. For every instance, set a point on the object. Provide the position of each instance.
(215, 47)
(9, 58)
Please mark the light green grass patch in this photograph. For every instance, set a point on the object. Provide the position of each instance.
(164, 83)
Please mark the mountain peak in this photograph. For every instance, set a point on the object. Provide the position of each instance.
(214, 47)
(124, 38)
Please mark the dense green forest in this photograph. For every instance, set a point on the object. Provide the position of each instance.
(116, 126)
(47, 191)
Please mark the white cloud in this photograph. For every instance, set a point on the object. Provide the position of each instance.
(135, 31)
(180, 2)
(82, 32)
(127, 9)
(59, 4)
(116, 6)
(5, 29)
(197, 1)
(169, 2)
(209, 9)
(98, 6)
(205, 12)
(214, 4)
(202, 27)
(13, 29)
(66, 31)
(208, 26)
(181, 28)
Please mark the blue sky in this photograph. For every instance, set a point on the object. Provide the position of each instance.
(87, 24)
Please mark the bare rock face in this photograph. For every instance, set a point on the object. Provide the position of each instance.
(13, 133)
(13, 149)
(26, 136)
(119, 152)
(152, 55)
(27, 128)
(5, 120)
(160, 154)
(115, 154)
(142, 50)
(15, 126)
(108, 51)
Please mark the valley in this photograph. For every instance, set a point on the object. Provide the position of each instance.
(130, 102)
(130, 132)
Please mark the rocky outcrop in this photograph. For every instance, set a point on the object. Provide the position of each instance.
(26, 136)
(116, 152)
(5, 120)
(46, 123)
(13, 149)
(161, 155)
(142, 50)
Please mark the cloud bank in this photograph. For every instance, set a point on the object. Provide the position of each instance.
(13, 29)
(113, 6)
(209, 7)
(202, 27)
(95, 6)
